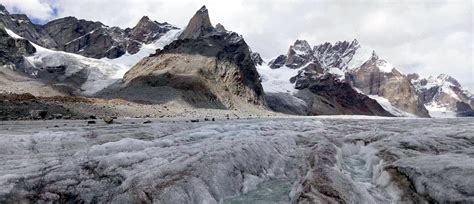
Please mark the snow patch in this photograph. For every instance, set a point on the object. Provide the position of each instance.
(12, 34)
(337, 72)
(385, 103)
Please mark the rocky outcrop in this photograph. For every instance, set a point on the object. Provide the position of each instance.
(325, 95)
(377, 77)
(204, 68)
(256, 58)
(199, 25)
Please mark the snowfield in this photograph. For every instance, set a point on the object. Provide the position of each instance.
(278, 160)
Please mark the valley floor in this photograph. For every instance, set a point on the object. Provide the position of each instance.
(271, 160)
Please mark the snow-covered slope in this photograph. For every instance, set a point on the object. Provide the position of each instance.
(99, 73)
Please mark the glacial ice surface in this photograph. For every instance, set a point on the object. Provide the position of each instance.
(278, 160)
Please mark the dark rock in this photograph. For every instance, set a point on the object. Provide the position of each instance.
(278, 62)
(108, 120)
(256, 58)
(91, 122)
(195, 120)
(286, 103)
(57, 116)
(324, 95)
(220, 28)
(147, 122)
(38, 114)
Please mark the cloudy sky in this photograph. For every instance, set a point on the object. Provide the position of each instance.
(425, 36)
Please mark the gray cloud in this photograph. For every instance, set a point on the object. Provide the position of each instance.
(425, 36)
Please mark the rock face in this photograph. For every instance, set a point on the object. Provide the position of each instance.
(377, 77)
(22, 25)
(299, 54)
(87, 38)
(205, 67)
(93, 39)
(12, 50)
(443, 93)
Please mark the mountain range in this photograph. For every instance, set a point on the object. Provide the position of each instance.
(206, 66)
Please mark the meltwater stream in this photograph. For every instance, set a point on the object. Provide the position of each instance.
(272, 191)
(361, 164)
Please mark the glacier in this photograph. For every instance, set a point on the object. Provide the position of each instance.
(101, 73)
(278, 160)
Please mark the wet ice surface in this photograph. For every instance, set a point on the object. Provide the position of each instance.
(304, 160)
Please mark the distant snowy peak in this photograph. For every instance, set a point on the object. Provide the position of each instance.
(443, 93)
(338, 55)
(343, 55)
(442, 80)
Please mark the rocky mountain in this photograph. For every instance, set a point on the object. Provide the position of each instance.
(87, 38)
(443, 95)
(206, 67)
(347, 62)
(380, 78)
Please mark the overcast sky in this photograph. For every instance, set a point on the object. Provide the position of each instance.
(425, 36)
